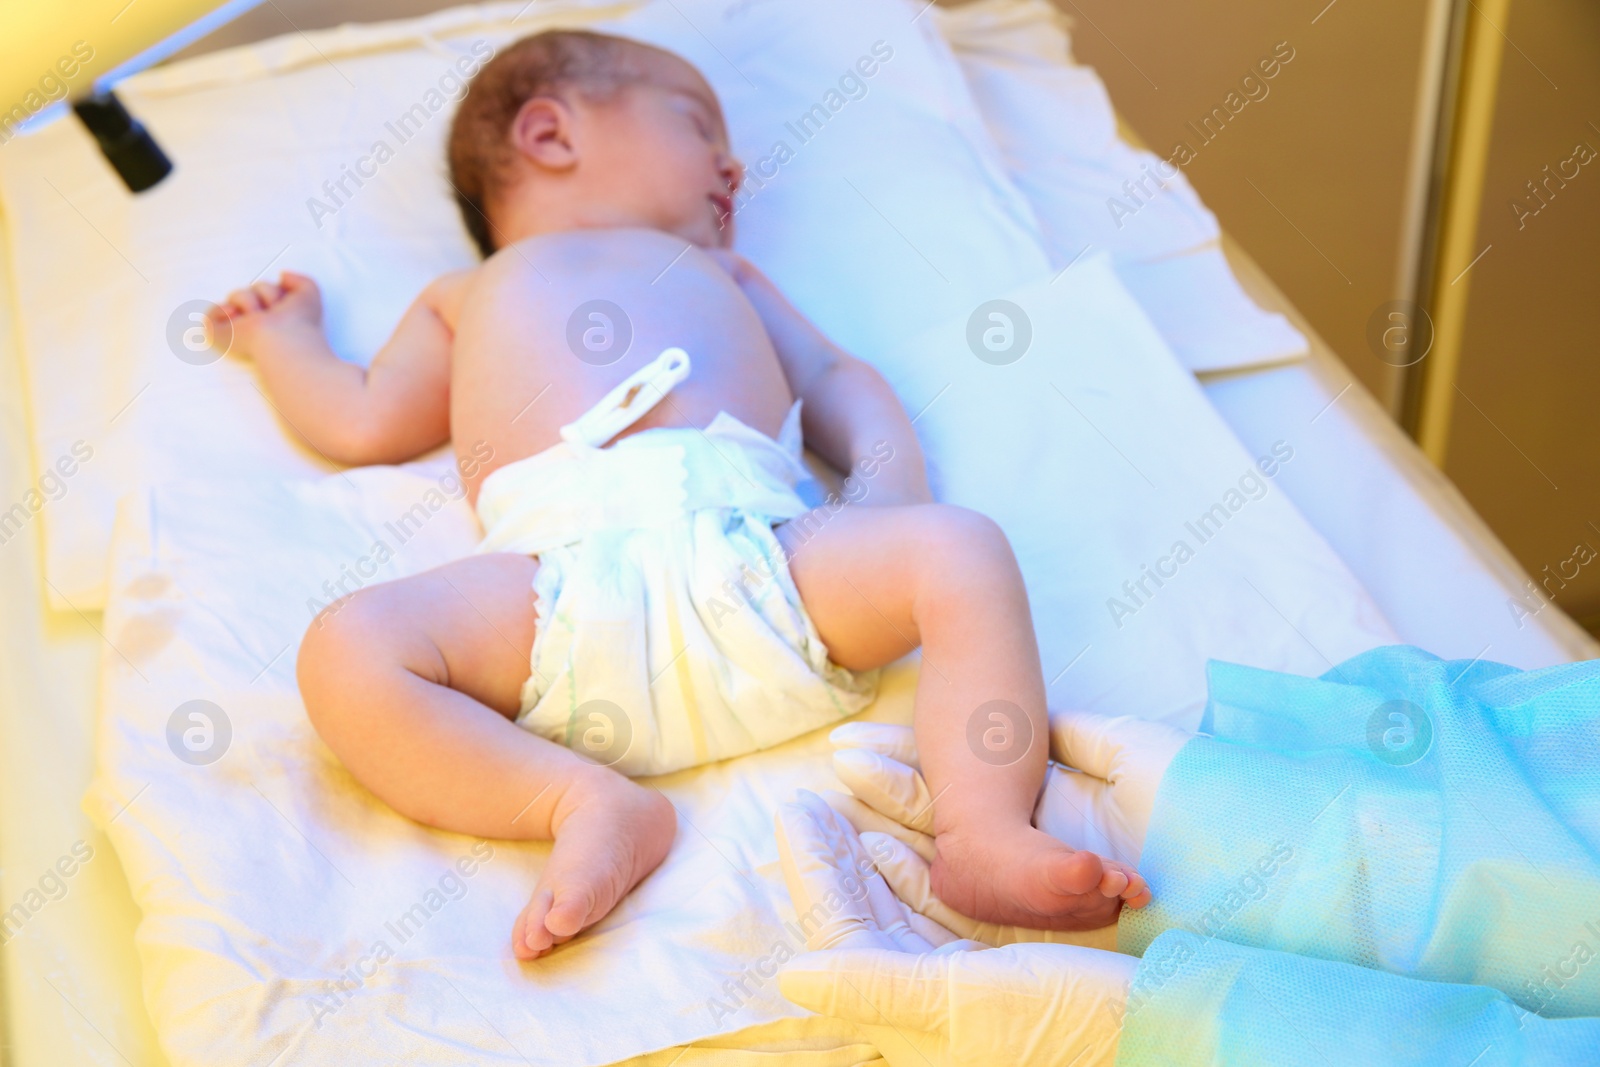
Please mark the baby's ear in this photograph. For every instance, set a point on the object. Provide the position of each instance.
(542, 131)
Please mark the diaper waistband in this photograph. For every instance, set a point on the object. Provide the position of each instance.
(572, 490)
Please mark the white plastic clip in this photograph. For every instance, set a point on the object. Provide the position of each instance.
(633, 397)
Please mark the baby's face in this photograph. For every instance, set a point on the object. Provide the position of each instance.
(656, 156)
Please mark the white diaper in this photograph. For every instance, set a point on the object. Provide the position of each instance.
(670, 632)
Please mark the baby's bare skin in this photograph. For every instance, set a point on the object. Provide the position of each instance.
(415, 684)
(511, 340)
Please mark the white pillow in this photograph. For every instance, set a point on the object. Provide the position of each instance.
(896, 210)
(1057, 131)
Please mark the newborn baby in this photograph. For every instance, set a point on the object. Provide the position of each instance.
(627, 396)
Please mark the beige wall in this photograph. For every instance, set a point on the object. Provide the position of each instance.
(1331, 148)
(287, 16)
(1524, 445)
(1312, 180)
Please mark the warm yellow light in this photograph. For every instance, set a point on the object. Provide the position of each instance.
(51, 51)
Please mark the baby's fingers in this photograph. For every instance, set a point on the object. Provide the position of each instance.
(242, 302)
(269, 292)
(293, 282)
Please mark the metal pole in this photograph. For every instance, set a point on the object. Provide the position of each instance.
(1450, 245)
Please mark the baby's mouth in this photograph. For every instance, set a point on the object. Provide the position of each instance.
(723, 207)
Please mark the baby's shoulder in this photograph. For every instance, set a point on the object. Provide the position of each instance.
(446, 293)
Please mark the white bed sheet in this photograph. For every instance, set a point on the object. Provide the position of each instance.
(264, 876)
(71, 988)
(1428, 580)
(269, 879)
(71, 978)
(83, 945)
(1440, 575)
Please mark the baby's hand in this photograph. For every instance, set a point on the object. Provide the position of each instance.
(268, 314)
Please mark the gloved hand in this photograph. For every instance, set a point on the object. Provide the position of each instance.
(919, 994)
(1098, 791)
(1120, 763)
(1104, 807)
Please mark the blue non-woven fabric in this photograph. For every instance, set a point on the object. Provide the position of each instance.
(1203, 1001)
(1402, 813)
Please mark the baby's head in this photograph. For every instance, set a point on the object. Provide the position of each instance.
(570, 130)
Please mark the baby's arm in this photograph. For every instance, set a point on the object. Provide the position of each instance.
(397, 408)
(850, 412)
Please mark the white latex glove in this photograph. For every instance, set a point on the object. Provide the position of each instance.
(839, 897)
(1105, 808)
(873, 962)
(1098, 792)
(1121, 761)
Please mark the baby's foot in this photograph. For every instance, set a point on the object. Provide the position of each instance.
(616, 833)
(1023, 877)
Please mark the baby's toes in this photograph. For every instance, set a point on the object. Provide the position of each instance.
(1114, 881)
(1123, 881)
(1073, 873)
(1137, 893)
(530, 938)
(569, 912)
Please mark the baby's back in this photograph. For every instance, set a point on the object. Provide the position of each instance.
(548, 326)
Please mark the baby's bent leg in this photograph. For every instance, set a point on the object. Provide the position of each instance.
(880, 581)
(414, 685)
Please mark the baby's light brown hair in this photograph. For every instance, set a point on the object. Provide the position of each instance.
(552, 63)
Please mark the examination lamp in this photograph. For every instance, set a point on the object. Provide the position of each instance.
(76, 53)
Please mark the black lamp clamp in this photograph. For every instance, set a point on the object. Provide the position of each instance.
(127, 146)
